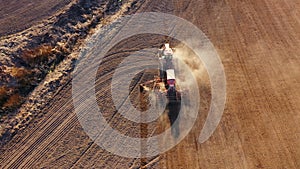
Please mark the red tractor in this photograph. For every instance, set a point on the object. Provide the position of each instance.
(164, 87)
(165, 84)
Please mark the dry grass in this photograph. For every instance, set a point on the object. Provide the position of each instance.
(3, 94)
(7, 100)
(37, 55)
(13, 101)
(19, 72)
(22, 76)
(10, 98)
(25, 78)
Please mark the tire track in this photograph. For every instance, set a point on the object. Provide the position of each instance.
(85, 151)
(19, 15)
(59, 125)
(47, 137)
(54, 123)
(262, 104)
(35, 130)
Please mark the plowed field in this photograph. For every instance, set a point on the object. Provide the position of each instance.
(259, 45)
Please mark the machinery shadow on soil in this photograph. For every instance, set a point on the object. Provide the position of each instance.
(173, 114)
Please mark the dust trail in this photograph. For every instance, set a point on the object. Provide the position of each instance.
(189, 64)
(193, 81)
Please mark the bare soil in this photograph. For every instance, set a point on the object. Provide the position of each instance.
(258, 42)
(19, 15)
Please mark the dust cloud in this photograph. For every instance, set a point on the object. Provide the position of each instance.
(190, 66)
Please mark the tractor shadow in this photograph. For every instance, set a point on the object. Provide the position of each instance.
(173, 115)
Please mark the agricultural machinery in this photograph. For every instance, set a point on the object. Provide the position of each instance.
(165, 83)
(164, 88)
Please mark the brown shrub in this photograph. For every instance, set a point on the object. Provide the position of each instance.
(13, 101)
(24, 78)
(3, 94)
(19, 72)
(37, 54)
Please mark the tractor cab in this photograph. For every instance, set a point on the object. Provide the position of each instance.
(165, 56)
(166, 52)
